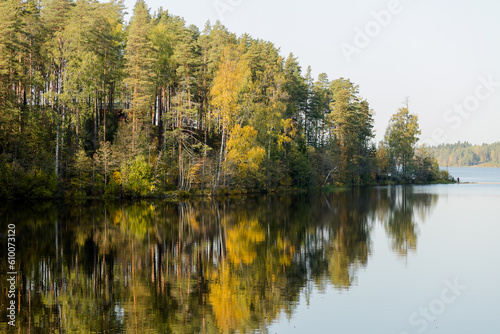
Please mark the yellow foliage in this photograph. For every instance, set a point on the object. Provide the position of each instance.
(194, 171)
(243, 150)
(231, 80)
(117, 177)
(289, 132)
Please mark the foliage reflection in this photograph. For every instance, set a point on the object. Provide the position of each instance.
(198, 267)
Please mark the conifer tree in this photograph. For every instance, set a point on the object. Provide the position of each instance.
(139, 69)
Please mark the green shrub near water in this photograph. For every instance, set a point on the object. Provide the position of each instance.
(16, 181)
(138, 178)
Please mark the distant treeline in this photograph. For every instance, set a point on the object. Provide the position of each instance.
(465, 154)
(92, 106)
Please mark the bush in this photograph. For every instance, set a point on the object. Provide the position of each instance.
(138, 178)
(17, 182)
(44, 185)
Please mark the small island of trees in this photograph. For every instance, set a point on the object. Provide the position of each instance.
(91, 106)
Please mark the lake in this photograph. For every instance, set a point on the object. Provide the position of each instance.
(414, 259)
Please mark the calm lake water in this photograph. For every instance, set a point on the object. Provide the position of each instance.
(475, 174)
(419, 259)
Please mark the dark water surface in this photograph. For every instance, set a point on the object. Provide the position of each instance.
(380, 260)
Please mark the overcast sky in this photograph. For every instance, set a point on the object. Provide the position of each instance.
(443, 54)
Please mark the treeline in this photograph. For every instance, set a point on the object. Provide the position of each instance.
(465, 154)
(92, 106)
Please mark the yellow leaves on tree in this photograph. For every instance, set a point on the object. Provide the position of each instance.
(289, 131)
(243, 150)
(227, 95)
(117, 177)
(230, 82)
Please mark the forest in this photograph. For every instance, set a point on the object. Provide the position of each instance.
(465, 154)
(91, 105)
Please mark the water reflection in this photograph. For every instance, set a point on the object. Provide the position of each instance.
(400, 218)
(201, 267)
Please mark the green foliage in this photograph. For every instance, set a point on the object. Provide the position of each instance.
(466, 154)
(301, 168)
(138, 178)
(244, 153)
(18, 182)
(401, 138)
(426, 166)
(351, 124)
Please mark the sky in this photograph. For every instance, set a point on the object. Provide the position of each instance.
(443, 55)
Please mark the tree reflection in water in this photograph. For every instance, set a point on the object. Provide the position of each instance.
(197, 267)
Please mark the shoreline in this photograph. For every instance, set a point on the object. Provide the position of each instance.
(181, 196)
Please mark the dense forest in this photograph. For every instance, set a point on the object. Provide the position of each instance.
(93, 106)
(465, 154)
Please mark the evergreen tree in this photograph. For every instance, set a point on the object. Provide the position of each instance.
(139, 69)
(351, 122)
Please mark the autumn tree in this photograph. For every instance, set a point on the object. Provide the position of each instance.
(230, 84)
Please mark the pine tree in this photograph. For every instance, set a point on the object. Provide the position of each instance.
(320, 108)
(351, 122)
(139, 69)
(297, 93)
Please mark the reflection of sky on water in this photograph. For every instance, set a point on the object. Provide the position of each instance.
(475, 174)
(457, 240)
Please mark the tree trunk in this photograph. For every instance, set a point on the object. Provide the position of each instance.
(62, 138)
(219, 167)
(57, 145)
(77, 130)
(95, 123)
(179, 126)
(161, 94)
